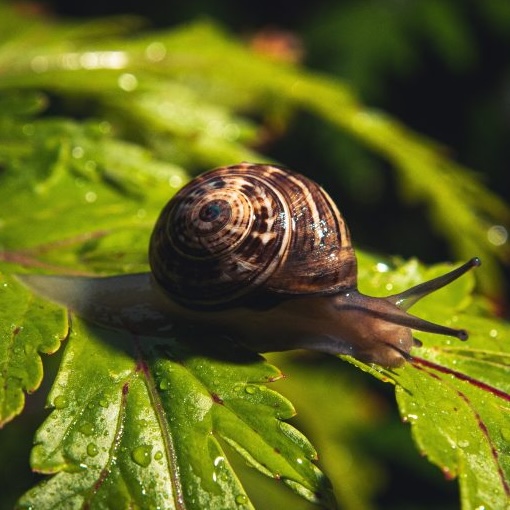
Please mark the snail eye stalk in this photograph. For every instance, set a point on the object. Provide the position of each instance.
(404, 300)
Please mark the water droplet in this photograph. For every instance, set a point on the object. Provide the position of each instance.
(87, 428)
(463, 443)
(158, 455)
(103, 403)
(250, 389)
(493, 333)
(241, 499)
(127, 82)
(155, 52)
(381, 267)
(231, 132)
(142, 455)
(28, 129)
(164, 384)
(77, 152)
(175, 181)
(92, 449)
(219, 473)
(60, 402)
(90, 166)
(411, 418)
(497, 235)
(90, 197)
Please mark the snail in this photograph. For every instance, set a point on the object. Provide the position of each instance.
(262, 255)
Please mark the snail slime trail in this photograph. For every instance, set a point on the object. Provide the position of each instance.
(244, 235)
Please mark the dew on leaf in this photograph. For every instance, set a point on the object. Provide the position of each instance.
(86, 428)
(155, 51)
(241, 499)
(382, 267)
(90, 197)
(497, 235)
(90, 165)
(142, 455)
(411, 418)
(219, 474)
(493, 333)
(60, 402)
(158, 455)
(175, 181)
(127, 82)
(28, 129)
(250, 389)
(463, 444)
(77, 152)
(92, 449)
(103, 403)
(164, 384)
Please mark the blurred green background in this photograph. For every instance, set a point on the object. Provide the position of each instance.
(440, 66)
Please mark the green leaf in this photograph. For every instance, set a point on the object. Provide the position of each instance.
(456, 396)
(129, 413)
(29, 327)
(78, 197)
(336, 408)
(143, 422)
(460, 420)
(101, 192)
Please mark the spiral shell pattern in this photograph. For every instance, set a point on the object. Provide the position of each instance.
(250, 228)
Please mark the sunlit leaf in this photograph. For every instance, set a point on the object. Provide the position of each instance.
(455, 395)
(29, 327)
(146, 422)
(143, 422)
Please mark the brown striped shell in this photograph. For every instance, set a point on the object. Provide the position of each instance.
(250, 229)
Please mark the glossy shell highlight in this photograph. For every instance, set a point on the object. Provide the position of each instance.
(250, 229)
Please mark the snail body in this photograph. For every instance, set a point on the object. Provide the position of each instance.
(260, 254)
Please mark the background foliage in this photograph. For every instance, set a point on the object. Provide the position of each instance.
(432, 66)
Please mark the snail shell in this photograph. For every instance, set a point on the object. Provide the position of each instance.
(247, 230)
(260, 254)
